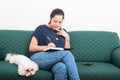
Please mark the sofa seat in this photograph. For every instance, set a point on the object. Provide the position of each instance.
(9, 72)
(98, 71)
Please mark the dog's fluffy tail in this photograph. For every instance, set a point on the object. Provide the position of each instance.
(8, 55)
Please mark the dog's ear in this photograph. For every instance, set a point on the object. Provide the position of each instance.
(35, 66)
(21, 71)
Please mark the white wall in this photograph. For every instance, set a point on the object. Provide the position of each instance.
(79, 14)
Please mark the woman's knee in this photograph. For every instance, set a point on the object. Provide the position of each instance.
(59, 67)
(69, 55)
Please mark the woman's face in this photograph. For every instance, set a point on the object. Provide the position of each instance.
(56, 22)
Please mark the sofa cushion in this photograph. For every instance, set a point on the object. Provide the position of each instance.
(98, 71)
(14, 41)
(93, 45)
(0, 49)
(7, 70)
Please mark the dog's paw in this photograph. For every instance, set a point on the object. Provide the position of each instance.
(11, 61)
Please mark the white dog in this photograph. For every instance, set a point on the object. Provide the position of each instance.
(26, 67)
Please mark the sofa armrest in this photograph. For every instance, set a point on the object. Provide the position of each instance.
(116, 56)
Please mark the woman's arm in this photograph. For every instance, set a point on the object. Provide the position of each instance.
(33, 47)
(67, 38)
(67, 42)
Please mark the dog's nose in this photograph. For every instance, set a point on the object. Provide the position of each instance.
(31, 74)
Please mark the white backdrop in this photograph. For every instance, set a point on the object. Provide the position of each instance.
(79, 14)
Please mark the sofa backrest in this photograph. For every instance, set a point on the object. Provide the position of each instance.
(93, 45)
(86, 45)
(14, 41)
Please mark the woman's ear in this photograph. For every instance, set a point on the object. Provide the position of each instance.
(50, 20)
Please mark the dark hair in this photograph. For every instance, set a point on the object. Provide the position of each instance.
(57, 11)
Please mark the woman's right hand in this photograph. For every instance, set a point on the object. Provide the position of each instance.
(51, 44)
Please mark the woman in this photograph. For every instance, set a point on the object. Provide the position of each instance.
(60, 63)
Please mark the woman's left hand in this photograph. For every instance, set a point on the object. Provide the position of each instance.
(63, 33)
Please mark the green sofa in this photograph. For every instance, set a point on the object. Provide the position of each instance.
(97, 54)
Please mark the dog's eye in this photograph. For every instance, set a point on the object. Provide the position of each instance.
(27, 70)
(31, 69)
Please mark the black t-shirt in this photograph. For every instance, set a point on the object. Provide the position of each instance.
(43, 32)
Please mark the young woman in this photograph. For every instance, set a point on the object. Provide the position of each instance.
(60, 63)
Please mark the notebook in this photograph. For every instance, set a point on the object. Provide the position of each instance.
(54, 49)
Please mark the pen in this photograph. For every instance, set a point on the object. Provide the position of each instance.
(49, 39)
